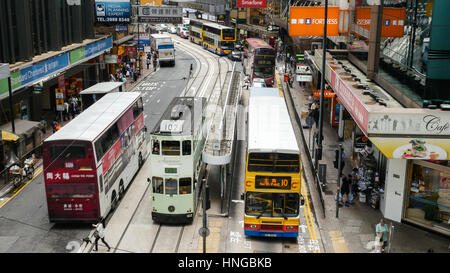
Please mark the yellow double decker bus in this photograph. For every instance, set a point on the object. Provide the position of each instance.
(216, 38)
(273, 171)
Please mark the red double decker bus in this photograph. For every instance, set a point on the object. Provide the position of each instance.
(260, 60)
(89, 162)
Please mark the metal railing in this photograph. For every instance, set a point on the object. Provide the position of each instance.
(317, 182)
(6, 177)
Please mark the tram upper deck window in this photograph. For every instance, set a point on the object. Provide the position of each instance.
(186, 147)
(185, 185)
(171, 186)
(157, 184)
(170, 147)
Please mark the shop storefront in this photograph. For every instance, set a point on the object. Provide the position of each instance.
(402, 154)
(428, 190)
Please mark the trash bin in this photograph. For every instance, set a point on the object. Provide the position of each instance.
(286, 77)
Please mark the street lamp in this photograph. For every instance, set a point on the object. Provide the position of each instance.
(322, 87)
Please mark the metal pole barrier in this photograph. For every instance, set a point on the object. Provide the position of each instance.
(338, 180)
(322, 87)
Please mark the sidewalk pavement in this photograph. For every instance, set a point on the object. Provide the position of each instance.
(129, 85)
(354, 229)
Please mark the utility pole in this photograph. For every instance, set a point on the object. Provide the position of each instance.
(204, 231)
(285, 42)
(322, 88)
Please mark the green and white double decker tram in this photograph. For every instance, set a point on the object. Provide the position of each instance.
(176, 163)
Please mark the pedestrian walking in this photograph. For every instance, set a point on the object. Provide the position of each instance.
(345, 188)
(354, 183)
(66, 111)
(148, 63)
(246, 82)
(155, 63)
(382, 234)
(99, 233)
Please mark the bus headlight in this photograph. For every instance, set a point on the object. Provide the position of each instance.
(289, 227)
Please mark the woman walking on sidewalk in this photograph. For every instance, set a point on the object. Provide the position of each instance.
(99, 233)
(382, 234)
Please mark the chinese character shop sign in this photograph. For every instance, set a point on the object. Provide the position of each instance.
(113, 11)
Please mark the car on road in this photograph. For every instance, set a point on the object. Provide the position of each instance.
(163, 27)
(184, 34)
(257, 82)
(172, 30)
(235, 56)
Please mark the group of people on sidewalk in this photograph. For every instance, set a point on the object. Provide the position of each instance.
(349, 188)
(126, 71)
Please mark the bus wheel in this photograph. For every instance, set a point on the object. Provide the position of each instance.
(121, 190)
(113, 201)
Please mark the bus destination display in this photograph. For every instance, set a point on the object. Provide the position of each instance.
(273, 182)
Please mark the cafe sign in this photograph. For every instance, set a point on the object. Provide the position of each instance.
(410, 122)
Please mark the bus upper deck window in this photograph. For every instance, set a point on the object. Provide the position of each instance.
(186, 147)
(155, 149)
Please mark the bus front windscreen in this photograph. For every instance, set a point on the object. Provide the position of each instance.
(263, 71)
(226, 45)
(228, 34)
(264, 204)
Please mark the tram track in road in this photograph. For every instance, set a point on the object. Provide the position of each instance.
(208, 58)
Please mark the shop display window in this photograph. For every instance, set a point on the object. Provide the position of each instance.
(429, 195)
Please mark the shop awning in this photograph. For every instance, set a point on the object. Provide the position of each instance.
(7, 136)
(23, 128)
(123, 40)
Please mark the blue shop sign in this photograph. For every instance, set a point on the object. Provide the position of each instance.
(98, 47)
(44, 68)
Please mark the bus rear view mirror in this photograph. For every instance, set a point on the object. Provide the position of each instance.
(242, 196)
(148, 180)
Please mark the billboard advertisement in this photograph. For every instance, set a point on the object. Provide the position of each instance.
(251, 3)
(309, 21)
(112, 11)
(393, 20)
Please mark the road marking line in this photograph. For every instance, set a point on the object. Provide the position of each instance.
(306, 217)
(17, 191)
(278, 84)
(213, 240)
(310, 217)
(338, 242)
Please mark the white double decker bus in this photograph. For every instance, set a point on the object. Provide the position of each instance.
(176, 166)
(90, 161)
